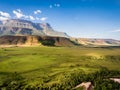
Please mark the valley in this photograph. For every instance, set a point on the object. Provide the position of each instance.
(57, 68)
(33, 56)
(59, 45)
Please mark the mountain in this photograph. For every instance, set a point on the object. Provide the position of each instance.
(18, 27)
(95, 42)
(19, 31)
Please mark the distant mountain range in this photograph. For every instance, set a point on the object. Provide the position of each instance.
(16, 31)
(96, 42)
(18, 27)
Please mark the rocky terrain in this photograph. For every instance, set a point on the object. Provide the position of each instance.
(34, 41)
(19, 27)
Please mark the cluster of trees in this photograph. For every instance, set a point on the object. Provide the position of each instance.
(100, 80)
(48, 42)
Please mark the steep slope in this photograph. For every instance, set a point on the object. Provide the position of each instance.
(23, 27)
(34, 41)
(47, 29)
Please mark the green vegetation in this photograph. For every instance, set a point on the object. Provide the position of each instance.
(48, 42)
(58, 68)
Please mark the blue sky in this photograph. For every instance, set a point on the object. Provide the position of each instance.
(78, 18)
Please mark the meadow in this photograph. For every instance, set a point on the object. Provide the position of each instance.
(48, 66)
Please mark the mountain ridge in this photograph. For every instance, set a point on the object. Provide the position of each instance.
(24, 27)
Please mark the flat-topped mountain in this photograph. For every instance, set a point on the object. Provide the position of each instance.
(17, 27)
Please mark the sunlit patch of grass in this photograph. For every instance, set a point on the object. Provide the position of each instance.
(95, 55)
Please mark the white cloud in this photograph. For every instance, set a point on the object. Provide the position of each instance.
(3, 18)
(116, 30)
(57, 5)
(31, 18)
(37, 18)
(26, 17)
(37, 11)
(19, 14)
(51, 6)
(54, 5)
(4, 14)
(19, 10)
(43, 18)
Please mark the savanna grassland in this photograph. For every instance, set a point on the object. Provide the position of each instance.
(57, 68)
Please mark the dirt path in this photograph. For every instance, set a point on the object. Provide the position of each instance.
(86, 85)
(116, 80)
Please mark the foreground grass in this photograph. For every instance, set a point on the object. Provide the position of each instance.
(49, 64)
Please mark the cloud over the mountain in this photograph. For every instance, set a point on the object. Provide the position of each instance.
(31, 18)
(37, 12)
(43, 18)
(19, 14)
(4, 15)
(3, 18)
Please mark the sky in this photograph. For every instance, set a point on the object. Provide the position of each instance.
(78, 18)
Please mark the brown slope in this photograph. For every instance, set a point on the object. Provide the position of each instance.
(33, 40)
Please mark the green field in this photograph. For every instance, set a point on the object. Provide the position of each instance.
(49, 65)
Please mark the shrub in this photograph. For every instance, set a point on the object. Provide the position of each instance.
(48, 42)
(13, 82)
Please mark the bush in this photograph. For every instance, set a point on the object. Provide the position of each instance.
(48, 42)
(13, 82)
(67, 81)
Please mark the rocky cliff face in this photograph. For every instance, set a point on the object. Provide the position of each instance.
(24, 27)
(34, 41)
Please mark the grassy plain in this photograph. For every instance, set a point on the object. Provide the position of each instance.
(49, 64)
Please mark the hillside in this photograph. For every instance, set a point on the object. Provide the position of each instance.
(34, 40)
(96, 42)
